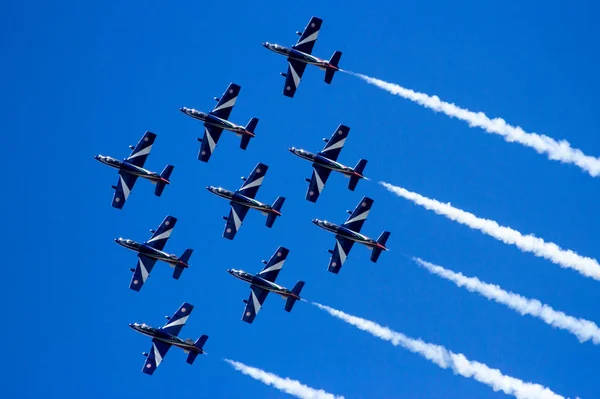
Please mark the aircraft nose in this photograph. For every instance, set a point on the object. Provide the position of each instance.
(292, 149)
(183, 109)
(315, 221)
(265, 44)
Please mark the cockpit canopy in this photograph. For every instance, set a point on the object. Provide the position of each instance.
(107, 159)
(327, 224)
(241, 273)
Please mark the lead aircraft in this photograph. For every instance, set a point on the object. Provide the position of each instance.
(243, 200)
(299, 55)
(132, 167)
(326, 161)
(166, 336)
(217, 120)
(264, 282)
(152, 250)
(349, 233)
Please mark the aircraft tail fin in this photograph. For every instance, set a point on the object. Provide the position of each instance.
(165, 175)
(382, 240)
(276, 207)
(198, 344)
(185, 258)
(250, 128)
(289, 303)
(360, 166)
(335, 59)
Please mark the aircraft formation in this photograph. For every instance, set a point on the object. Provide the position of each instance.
(241, 201)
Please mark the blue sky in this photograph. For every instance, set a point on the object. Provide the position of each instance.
(85, 78)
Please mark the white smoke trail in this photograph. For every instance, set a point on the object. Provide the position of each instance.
(527, 243)
(445, 359)
(583, 329)
(555, 150)
(292, 387)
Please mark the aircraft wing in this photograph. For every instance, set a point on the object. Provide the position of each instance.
(177, 321)
(272, 268)
(253, 182)
(293, 76)
(142, 150)
(142, 271)
(211, 136)
(254, 303)
(309, 36)
(156, 355)
(161, 235)
(226, 102)
(317, 182)
(334, 146)
(234, 221)
(358, 217)
(124, 187)
(340, 253)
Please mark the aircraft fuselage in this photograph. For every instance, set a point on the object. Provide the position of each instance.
(347, 233)
(215, 121)
(299, 56)
(323, 161)
(262, 283)
(150, 252)
(242, 199)
(130, 169)
(186, 345)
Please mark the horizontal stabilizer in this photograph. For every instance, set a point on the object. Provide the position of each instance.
(191, 357)
(358, 169)
(289, 303)
(277, 207)
(177, 272)
(335, 59)
(382, 240)
(165, 175)
(198, 344)
(185, 258)
(245, 141)
(249, 128)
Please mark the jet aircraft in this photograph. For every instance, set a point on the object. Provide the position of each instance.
(166, 336)
(132, 167)
(300, 55)
(152, 250)
(216, 121)
(264, 282)
(349, 233)
(326, 161)
(243, 199)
